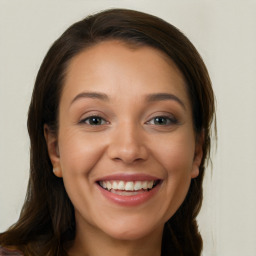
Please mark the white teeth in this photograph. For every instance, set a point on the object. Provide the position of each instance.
(109, 185)
(121, 185)
(103, 184)
(137, 185)
(127, 185)
(150, 184)
(114, 185)
(144, 185)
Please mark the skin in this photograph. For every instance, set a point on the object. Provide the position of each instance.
(128, 139)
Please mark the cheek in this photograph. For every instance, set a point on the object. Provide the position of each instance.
(79, 153)
(176, 154)
(176, 159)
(177, 162)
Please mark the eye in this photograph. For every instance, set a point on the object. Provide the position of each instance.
(162, 120)
(94, 120)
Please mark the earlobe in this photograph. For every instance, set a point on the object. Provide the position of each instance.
(57, 171)
(198, 155)
(53, 150)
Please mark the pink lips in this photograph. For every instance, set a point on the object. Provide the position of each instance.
(127, 177)
(129, 200)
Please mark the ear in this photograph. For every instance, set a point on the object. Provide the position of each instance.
(53, 150)
(198, 155)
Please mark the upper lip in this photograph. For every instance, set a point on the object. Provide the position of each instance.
(129, 177)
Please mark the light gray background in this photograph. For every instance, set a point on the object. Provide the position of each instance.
(224, 33)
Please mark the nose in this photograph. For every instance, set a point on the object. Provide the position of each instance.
(127, 144)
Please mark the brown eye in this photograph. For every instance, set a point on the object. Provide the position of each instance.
(162, 120)
(94, 120)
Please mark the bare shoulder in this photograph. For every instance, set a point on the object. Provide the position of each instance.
(6, 252)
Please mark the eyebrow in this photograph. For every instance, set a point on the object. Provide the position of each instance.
(149, 98)
(164, 96)
(91, 95)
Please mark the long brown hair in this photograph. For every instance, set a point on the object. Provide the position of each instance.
(47, 222)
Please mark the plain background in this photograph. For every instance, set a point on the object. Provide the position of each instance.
(224, 32)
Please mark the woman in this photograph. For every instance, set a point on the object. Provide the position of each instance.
(119, 124)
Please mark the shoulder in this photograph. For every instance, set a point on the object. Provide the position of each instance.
(6, 252)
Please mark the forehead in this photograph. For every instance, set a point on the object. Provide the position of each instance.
(113, 66)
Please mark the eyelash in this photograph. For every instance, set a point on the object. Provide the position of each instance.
(167, 120)
(164, 120)
(90, 118)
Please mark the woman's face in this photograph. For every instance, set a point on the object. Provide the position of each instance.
(126, 146)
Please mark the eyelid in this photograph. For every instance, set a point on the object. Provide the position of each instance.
(172, 119)
(92, 114)
(89, 117)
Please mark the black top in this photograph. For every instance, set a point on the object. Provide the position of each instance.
(6, 252)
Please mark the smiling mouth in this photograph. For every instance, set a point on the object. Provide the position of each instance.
(128, 188)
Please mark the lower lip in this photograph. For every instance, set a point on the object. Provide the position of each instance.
(129, 200)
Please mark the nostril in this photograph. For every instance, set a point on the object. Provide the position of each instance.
(127, 149)
(127, 159)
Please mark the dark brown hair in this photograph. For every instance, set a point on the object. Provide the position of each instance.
(47, 222)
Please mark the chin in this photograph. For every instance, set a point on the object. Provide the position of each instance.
(132, 231)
